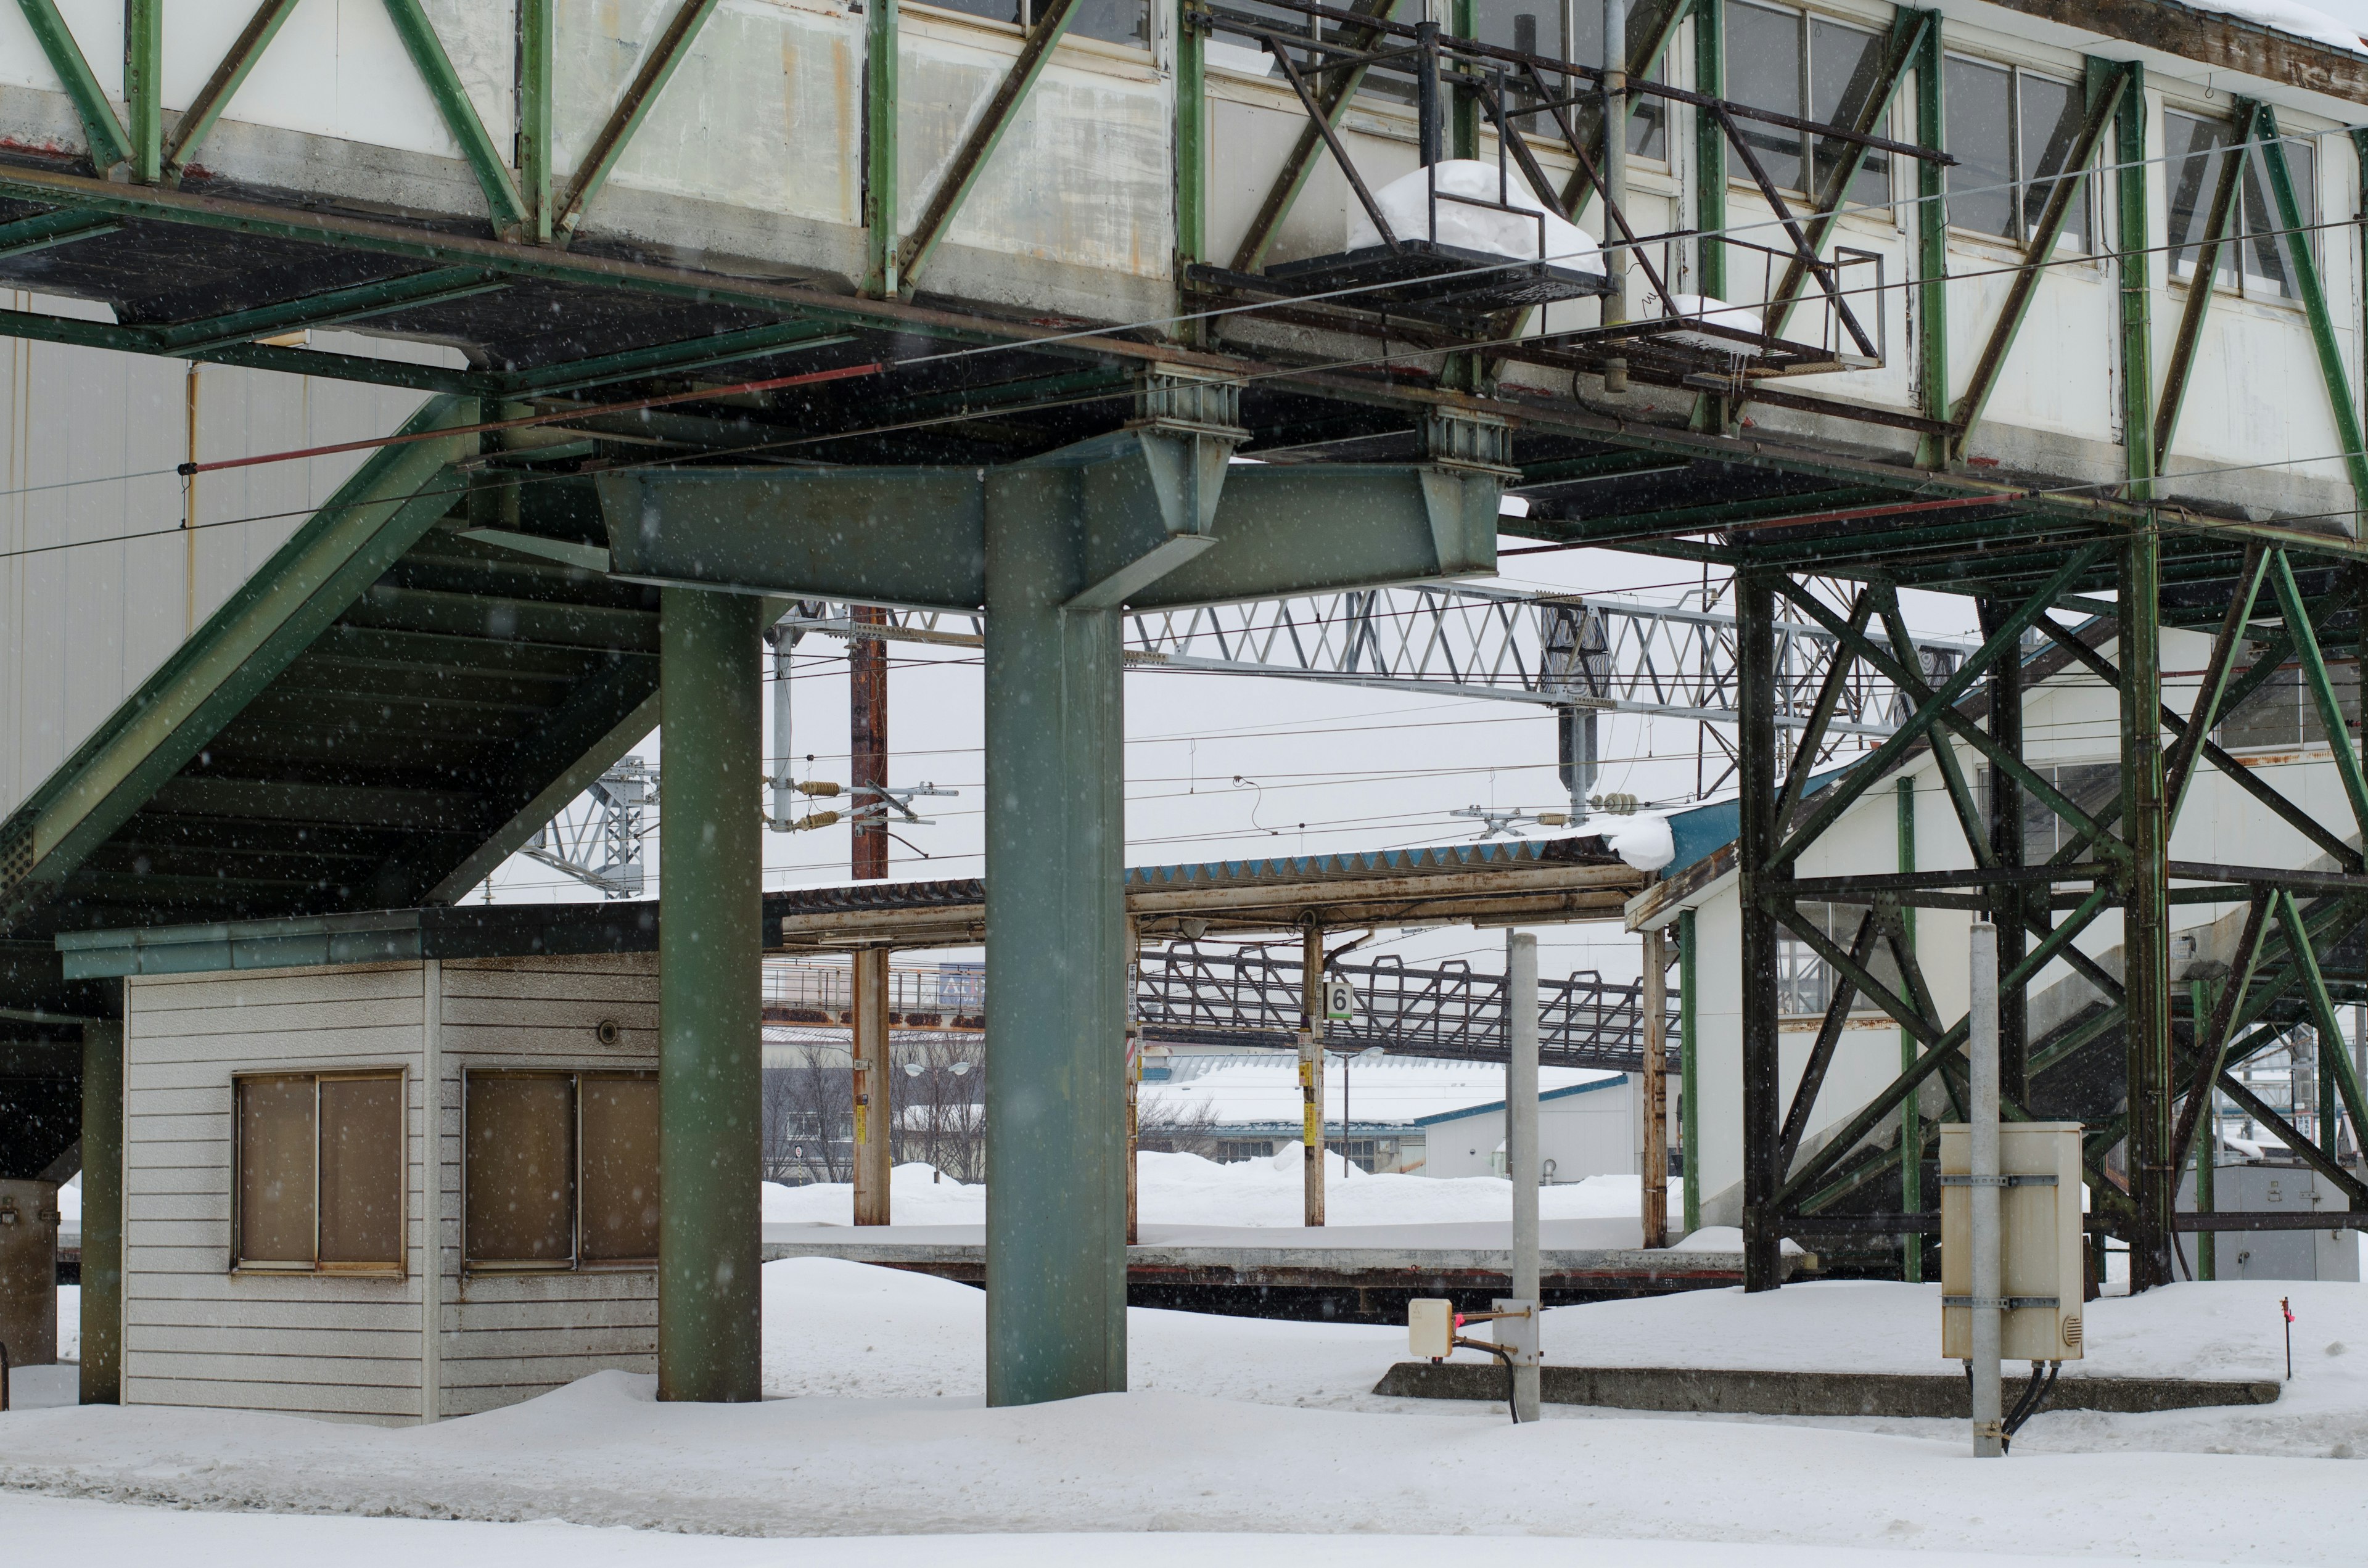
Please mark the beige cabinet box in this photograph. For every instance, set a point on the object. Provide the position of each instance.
(2039, 1222)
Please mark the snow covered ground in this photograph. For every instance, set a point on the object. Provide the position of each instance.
(874, 1424)
(1185, 1190)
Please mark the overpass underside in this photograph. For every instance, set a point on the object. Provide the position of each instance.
(656, 414)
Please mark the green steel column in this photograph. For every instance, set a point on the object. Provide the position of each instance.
(1464, 114)
(537, 28)
(1055, 956)
(102, 1214)
(1911, 1116)
(1931, 253)
(2207, 1143)
(1689, 1054)
(1191, 135)
(2145, 918)
(880, 164)
(1710, 148)
(711, 939)
(1763, 889)
(2135, 265)
(143, 89)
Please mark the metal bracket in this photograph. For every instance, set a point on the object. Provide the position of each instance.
(2004, 1303)
(1997, 1181)
(1470, 443)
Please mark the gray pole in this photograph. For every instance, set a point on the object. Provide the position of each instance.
(1521, 1142)
(711, 960)
(784, 640)
(1988, 1276)
(1311, 1073)
(102, 1214)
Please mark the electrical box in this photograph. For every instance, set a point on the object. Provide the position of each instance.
(2039, 1240)
(1430, 1328)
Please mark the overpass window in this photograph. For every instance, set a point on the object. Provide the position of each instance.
(2254, 257)
(559, 1170)
(1804, 981)
(319, 1171)
(2012, 134)
(1813, 69)
(1115, 21)
(1572, 31)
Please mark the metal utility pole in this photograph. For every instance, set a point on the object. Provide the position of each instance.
(1615, 175)
(1989, 1271)
(1655, 1097)
(867, 735)
(1311, 1069)
(1521, 1154)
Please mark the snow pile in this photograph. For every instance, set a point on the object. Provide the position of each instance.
(1187, 1191)
(1406, 202)
(1643, 841)
(1263, 1088)
(2301, 21)
(1712, 311)
(1721, 1238)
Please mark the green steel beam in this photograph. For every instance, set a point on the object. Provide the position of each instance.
(2211, 1033)
(2321, 688)
(189, 133)
(2304, 269)
(322, 569)
(882, 154)
(1689, 1057)
(669, 358)
(658, 65)
(1931, 252)
(2200, 288)
(537, 87)
(45, 230)
(354, 304)
(506, 207)
(917, 536)
(2104, 98)
(102, 1214)
(1906, 44)
(2178, 767)
(1044, 35)
(143, 87)
(1301, 162)
(1644, 58)
(2336, 1070)
(2134, 266)
(1463, 104)
(711, 959)
(1191, 135)
(2146, 912)
(1710, 148)
(108, 144)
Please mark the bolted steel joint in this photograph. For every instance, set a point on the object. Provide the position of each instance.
(1183, 401)
(1471, 443)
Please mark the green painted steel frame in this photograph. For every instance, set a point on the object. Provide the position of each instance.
(882, 154)
(229, 75)
(537, 87)
(143, 87)
(324, 567)
(509, 211)
(658, 66)
(1192, 134)
(1931, 252)
(2303, 267)
(961, 175)
(109, 145)
(1301, 161)
(2133, 238)
(2200, 287)
(2105, 91)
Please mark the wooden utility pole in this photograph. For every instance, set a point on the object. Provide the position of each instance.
(1655, 1097)
(1134, 1072)
(1311, 1068)
(867, 735)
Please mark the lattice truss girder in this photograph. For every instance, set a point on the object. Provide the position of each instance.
(2139, 1062)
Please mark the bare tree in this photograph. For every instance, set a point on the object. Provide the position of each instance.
(809, 1118)
(940, 1119)
(1165, 1129)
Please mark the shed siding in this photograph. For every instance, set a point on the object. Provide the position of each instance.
(197, 1333)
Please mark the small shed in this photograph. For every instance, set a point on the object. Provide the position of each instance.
(1584, 1130)
(387, 1167)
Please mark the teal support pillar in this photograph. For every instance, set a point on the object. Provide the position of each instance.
(102, 1214)
(710, 948)
(1056, 957)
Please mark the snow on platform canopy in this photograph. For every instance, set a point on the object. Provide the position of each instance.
(2285, 17)
(1710, 311)
(1533, 234)
(1643, 842)
(1263, 1088)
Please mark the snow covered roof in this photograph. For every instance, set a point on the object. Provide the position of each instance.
(1605, 1082)
(1262, 1087)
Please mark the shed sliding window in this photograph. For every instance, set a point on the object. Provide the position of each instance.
(559, 1170)
(319, 1161)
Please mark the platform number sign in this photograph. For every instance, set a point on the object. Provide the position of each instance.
(1340, 1001)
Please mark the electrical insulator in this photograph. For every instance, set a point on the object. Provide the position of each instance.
(1552, 819)
(817, 819)
(1615, 805)
(817, 787)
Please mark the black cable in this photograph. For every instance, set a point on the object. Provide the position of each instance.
(1504, 1355)
(2035, 1398)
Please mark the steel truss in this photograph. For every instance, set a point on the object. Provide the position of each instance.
(1190, 994)
(2140, 1063)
